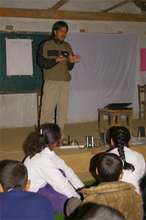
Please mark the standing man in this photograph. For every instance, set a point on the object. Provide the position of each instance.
(56, 58)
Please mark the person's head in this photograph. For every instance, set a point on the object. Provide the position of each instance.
(109, 167)
(93, 211)
(119, 137)
(116, 135)
(93, 166)
(13, 174)
(60, 30)
(47, 135)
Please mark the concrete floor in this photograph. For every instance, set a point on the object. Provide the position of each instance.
(11, 139)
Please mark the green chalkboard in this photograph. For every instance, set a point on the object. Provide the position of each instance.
(18, 84)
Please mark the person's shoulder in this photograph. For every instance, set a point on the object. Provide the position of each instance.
(107, 189)
(67, 44)
(32, 160)
(46, 42)
(2, 194)
(45, 158)
(42, 205)
(41, 200)
(16, 194)
(38, 197)
(46, 153)
(133, 152)
(113, 150)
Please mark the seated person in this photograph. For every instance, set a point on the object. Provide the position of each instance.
(93, 211)
(15, 202)
(117, 194)
(134, 164)
(49, 174)
(142, 184)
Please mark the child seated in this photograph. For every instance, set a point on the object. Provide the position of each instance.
(15, 202)
(49, 174)
(118, 138)
(111, 191)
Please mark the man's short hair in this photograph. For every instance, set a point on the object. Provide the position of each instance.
(13, 174)
(109, 167)
(93, 211)
(58, 25)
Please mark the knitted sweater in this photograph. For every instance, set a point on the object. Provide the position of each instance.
(52, 70)
(118, 195)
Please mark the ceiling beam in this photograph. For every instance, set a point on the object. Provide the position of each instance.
(71, 15)
(117, 5)
(59, 4)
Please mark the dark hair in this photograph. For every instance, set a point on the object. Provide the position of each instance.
(120, 137)
(57, 26)
(93, 211)
(41, 138)
(93, 166)
(109, 167)
(13, 174)
(142, 185)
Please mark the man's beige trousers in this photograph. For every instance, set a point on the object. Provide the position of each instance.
(55, 93)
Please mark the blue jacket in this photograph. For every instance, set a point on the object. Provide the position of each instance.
(21, 205)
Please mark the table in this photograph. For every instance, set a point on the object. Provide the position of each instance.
(114, 116)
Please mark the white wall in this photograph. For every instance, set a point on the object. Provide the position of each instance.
(44, 25)
(18, 110)
(26, 24)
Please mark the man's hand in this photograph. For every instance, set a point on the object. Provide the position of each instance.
(74, 58)
(60, 59)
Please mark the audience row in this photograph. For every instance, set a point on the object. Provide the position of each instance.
(43, 184)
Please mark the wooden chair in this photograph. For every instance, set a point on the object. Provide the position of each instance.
(142, 100)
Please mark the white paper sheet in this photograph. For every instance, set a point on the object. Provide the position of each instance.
(19, 57)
